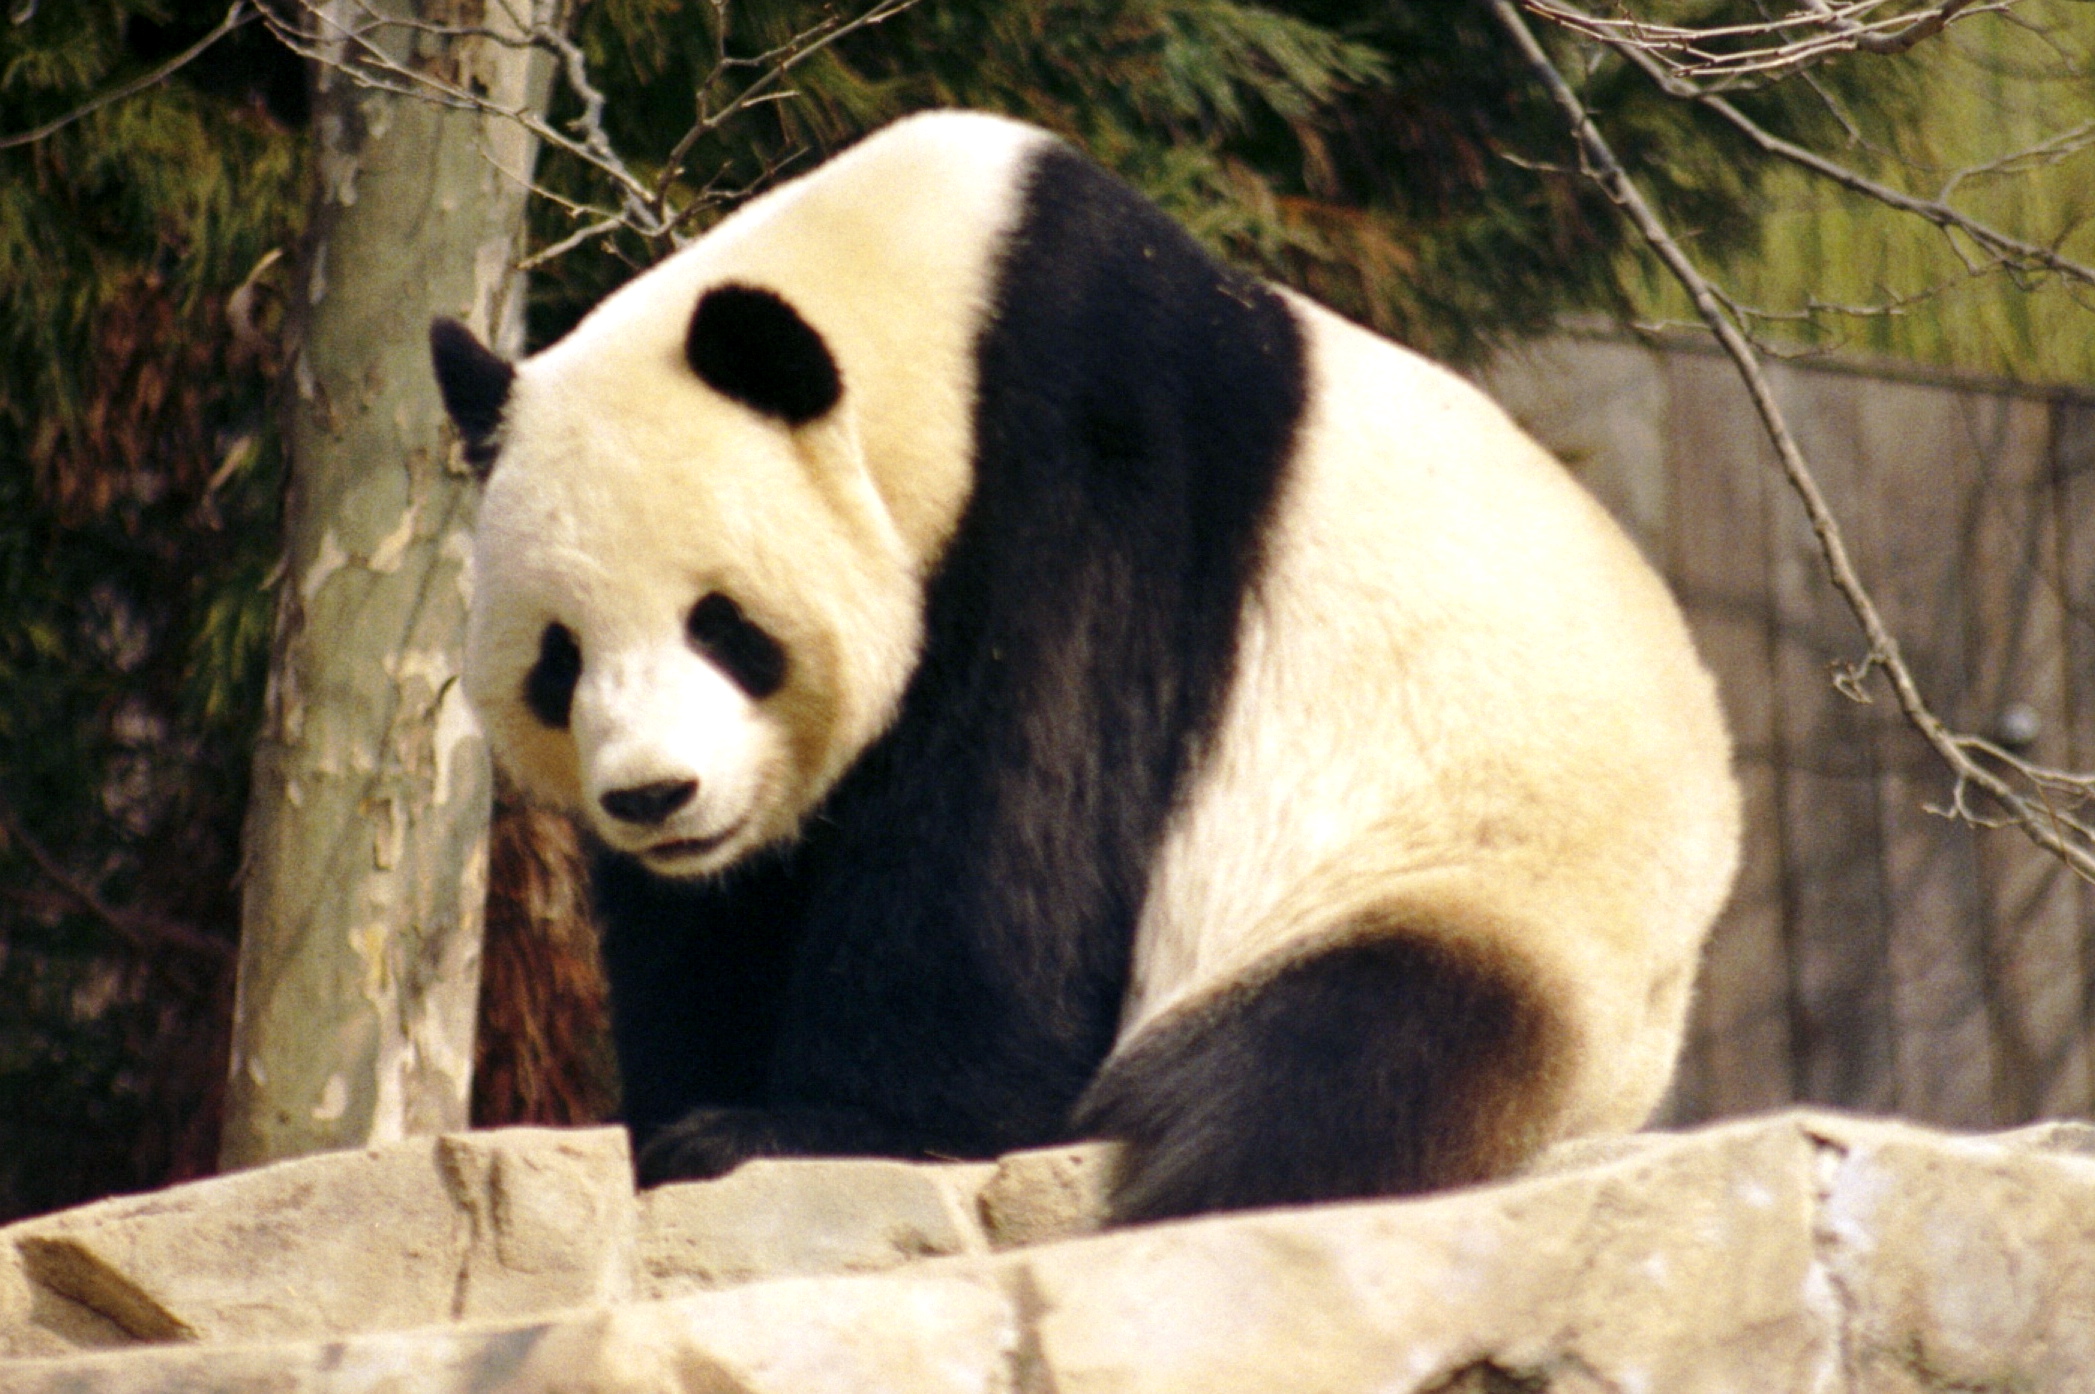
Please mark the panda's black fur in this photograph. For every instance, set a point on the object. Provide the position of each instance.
(938, 965)
(950, 943)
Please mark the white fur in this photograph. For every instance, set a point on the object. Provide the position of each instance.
(1464, 705)
(628, 488)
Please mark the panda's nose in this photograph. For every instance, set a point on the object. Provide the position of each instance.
(648, 804)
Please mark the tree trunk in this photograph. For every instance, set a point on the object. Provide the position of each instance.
(366, 839)
(544, 1050)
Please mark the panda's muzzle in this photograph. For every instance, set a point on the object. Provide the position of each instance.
(677, 849)
(649, 805)
(652, 805)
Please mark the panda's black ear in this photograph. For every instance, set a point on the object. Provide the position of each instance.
(749, 344)
(475, 383)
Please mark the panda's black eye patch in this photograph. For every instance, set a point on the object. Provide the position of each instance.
(549, 688)
(750, 657)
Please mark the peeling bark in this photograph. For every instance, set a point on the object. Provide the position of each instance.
(366, 842)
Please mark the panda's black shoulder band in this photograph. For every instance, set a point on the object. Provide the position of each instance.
(747, 343)
(475, 383)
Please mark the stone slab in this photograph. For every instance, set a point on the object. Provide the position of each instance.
(1963, 1263)
(899, 1334)
(1806, 1252)
(1046, 1193)
(1682, 1268)
(776, 1218)
(427, 1230)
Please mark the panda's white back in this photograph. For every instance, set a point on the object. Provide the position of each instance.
(1463, 696)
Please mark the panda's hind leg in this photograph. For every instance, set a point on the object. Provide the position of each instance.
(1378, 1065)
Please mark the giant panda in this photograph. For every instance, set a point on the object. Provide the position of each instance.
(1029, 681)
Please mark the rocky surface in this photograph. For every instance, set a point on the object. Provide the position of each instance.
(1804, 1251)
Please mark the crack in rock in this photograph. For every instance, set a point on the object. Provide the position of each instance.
(1030, 1371)
(1826, 1293)
(1487, 1376)
(74, 1270)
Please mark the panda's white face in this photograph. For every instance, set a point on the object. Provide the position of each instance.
(761, 418)
(679, 760)
(689, 617)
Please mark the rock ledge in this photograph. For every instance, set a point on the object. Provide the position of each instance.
(1805, 1251)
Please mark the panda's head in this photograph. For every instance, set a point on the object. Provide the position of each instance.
(691, 610)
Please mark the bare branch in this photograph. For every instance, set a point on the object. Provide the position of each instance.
(2051, 151)
(2036, 814)
(1775, 46)
(145, 932)
(1816, 311)
(2000, 249)
(714, 193)
(659, 208)
(237, 14)
(602, 227)
(775, 65)
(356, 54)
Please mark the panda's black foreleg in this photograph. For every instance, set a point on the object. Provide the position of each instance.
(1380, 1066)
(710, 1142)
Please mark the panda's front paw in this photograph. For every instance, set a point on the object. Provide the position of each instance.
(710, 1142)
(703, 1144)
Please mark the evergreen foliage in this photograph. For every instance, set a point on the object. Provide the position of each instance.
(1355, 149)
(138, 499)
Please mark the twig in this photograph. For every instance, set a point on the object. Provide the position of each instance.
(2063, 146)
(365, 62)
(653, 208)
(776, 64)
(236, 15)
(144, 932)
(2009, 251)
(2038, 819)
(1767, 49)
